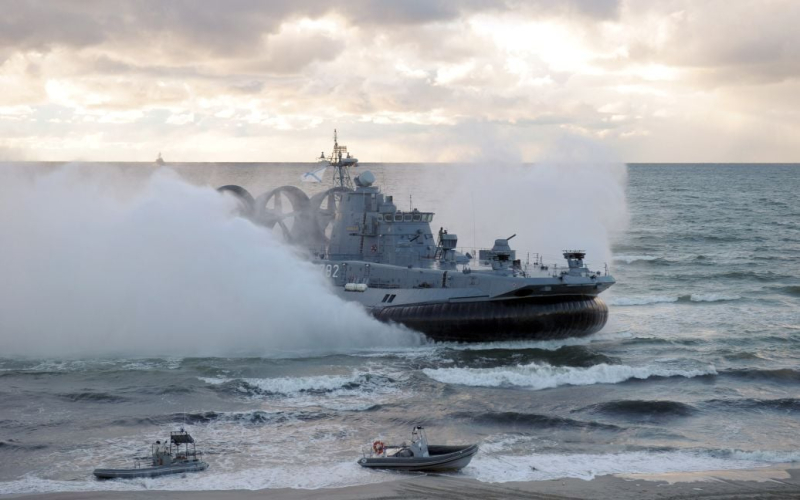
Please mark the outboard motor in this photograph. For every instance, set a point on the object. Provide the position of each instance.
(419, 442)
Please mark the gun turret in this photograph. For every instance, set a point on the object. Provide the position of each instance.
(500, 256)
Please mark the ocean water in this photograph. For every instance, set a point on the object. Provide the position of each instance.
(697, 368)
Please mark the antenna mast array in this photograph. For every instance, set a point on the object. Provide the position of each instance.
(341, 160)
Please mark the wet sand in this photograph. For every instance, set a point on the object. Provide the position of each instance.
(779, 481)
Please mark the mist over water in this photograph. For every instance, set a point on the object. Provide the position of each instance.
(573, 197)
(96, 262)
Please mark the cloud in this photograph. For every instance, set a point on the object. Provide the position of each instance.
(121, 78)
(291, 50)
(725, 42)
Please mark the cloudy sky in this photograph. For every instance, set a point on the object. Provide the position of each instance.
(412, 80)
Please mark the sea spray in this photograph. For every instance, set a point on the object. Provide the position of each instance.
(94, 264)
(572, 197)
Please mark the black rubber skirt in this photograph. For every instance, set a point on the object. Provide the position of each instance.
(530, 318)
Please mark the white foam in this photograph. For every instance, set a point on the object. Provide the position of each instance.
(764, 455)
(629, 259)
(713, 297)
(77, 365)
(641, 301)
(294, 385)
(493, 464)
(538, 376)
(666, 299)
(540, 467)
(304, 456)
(331, 475)
(358, 391)
(547, 345)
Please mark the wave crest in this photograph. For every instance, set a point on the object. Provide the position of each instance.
(644, 409)
(514, 419)
(641, 301)
(630, 259)
(289, 386)
(542, 376)
(666, 299)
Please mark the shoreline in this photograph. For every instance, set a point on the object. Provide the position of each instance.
(776, 481)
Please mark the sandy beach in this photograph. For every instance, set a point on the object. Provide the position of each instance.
(779, 481)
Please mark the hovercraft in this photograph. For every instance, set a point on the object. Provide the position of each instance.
(393, 263)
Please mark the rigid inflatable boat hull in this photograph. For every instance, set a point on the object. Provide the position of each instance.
(163, 470)
(441, 459)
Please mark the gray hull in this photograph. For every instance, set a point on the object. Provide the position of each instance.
(441, 459)
(532, 318)
(150, 471)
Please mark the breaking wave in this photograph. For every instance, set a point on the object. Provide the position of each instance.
(542, 376)
(288, 386)
(708, 297)
(641, 301)
(630, 259)
(665, 299)
(575, 355)
(255, 417)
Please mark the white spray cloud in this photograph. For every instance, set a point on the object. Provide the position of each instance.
(93, 263)
(573, 197)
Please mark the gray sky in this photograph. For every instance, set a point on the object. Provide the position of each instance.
(413, 80)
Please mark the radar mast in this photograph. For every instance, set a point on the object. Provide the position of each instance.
(341, 161)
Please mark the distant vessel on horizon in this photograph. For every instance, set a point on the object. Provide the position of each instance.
(159, 160)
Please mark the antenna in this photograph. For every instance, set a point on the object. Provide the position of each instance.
(474, 236)
(341, 160)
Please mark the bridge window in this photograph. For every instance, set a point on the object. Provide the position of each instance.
(407, 217)
(417, 217)
(398, 217)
